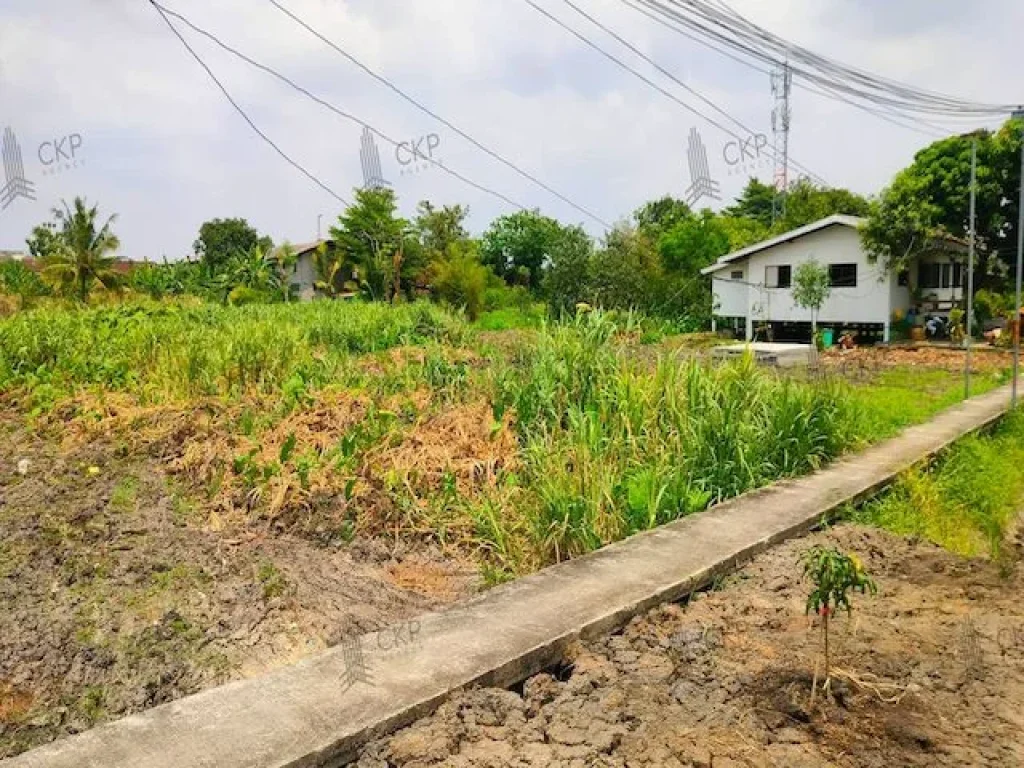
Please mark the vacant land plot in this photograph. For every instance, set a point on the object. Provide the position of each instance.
(193, 493)
(934, 671)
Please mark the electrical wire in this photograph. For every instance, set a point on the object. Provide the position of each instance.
(342, 113)
(295, 164)
(934, 132)
(672, 77)
(447, 123)
(721, 23)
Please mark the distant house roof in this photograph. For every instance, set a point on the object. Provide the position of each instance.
(838, 219)
(303, 248)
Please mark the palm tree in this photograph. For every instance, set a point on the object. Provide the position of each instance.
(79, 257)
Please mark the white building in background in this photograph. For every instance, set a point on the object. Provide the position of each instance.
(753, 287)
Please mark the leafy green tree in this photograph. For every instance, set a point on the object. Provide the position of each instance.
(331, 270)
(373, 238)
(221, 240)
(440, 228)
(18, 280)
(756, 203)
(626, 272)
(655, 218)
(805, 202)
(929, 200)
(461, 280)
(694, 243)
(78, 257)
(43, 241)
(518, 246)
(811, 289)
(567, 280)
(833, 575)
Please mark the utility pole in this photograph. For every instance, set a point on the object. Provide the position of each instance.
(970, 270)
(1018, 115)
(319, 216)
(782, 84)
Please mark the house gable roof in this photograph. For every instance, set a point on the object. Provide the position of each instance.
(838, 219)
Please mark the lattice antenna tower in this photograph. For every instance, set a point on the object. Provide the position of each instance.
(782, 85)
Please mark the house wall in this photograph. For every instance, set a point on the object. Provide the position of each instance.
(304, 276)
(869, 302)
(731, 294)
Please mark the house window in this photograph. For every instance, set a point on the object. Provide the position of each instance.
(928, 275)
(780, 276)
(946, 275)
(736, 274)
(842, 275)
(903, 278)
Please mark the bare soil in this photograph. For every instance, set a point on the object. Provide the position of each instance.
(931, 673)
(118, 592)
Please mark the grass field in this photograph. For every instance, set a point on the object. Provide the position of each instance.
(360, 418)
(193, 493)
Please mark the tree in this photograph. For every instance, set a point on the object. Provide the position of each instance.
(626, 273)
(518, 246)
(656, 217)
(461, 279)
(756, 203)
(75, 252)
(833, 575)
(18, 280)
(221, 240)
(567, 280)
(440, 228)
(807, 202)
(372, 238)
(811, 289)
(929, 200)
(329, 265)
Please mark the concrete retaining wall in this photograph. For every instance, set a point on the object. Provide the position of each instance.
(320, 711)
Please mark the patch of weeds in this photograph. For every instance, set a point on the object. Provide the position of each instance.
(125, 494)
(273, 582)
(493, 575)
(91, 705)
(966, 501)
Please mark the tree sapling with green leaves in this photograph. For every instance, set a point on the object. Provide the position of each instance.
(811, 289)
(834, 575)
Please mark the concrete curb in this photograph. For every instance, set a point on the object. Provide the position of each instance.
(315, 714)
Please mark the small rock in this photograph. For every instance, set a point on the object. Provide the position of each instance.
(23, 465)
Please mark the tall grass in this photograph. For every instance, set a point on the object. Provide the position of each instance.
(609, 449)
(967, 501)
(162, 351)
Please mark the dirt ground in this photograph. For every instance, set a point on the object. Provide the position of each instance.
(117, 595)
(983, 359)
(725, 680)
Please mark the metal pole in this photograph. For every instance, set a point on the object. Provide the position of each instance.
(970, 270)
(318, 217)
(1019, 114)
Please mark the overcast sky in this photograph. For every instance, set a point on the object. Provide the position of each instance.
(161, 147)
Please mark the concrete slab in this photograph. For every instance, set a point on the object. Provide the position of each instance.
(767, 353)
(320, 711)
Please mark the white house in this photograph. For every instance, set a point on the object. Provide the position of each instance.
(753, 286)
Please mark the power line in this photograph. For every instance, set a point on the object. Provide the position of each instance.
(663, 71)
(423, 108)
(242, 112)
(935, 132)
(342, 113)
(730, 28)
